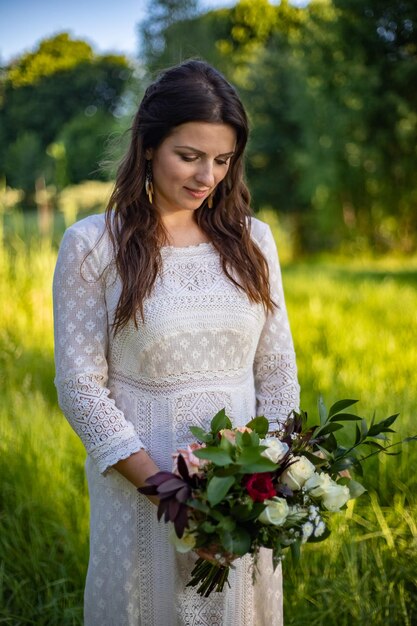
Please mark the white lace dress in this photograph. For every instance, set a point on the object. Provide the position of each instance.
(203, 346)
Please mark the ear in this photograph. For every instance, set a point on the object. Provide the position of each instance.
(149, 154)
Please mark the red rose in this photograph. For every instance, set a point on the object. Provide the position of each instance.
(260, 487)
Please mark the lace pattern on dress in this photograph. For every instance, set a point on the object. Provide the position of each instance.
(104, 431)
(277, 387)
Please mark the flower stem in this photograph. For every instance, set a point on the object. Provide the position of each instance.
(209, 577)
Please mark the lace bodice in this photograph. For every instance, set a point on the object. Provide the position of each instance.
(197, 323)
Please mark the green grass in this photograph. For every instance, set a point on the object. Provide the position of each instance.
(354, 329)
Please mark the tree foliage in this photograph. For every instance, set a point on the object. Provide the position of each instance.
(43, 91)
(330, 89)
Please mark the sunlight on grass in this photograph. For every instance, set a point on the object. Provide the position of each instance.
(354, 331)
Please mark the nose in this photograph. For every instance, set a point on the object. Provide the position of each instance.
(205, 174)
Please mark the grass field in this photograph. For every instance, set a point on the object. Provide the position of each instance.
(354, 326)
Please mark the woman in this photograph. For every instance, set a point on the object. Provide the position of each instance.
(168, 309)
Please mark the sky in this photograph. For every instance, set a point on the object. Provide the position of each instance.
(108, 25)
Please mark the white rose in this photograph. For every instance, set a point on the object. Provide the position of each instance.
(297, 474)
(333, 495)
(276, 449)
(183, 545)
(275, 513)
(314, 481)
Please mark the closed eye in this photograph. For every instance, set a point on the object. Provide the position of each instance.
(223, 162)
(188, 159)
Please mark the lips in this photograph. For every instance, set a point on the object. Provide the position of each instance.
(196, 193)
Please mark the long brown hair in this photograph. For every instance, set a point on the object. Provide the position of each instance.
(190, 92)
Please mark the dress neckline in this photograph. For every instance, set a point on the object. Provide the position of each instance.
(204, 246)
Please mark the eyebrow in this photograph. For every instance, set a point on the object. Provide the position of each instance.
(225, 154)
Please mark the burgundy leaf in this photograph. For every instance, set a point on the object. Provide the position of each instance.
(148, 490)
(162, 506)
(183, 494)
(171, 485)
(181, 521)
(173, 508)
(159, 478)
(182, 468)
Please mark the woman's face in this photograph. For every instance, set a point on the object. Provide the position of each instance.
(189, 164)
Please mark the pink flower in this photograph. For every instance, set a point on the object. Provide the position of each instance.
(230, 435)
(194, 464)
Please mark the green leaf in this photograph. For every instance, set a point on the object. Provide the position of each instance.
(215, 455)
(340, 405)
(250, 455)
(198, 505)
(342, 464)
(263, 465)
(357, 467)
(260, 425)
(218, 488)
(329, 444)
(251, 460)
(230, 470)
(208, 527)
(345, 417)
(238, 542)
(322, 411)
(355, 489)
(215, 514)
(246, 513)
(364, 429)
(328, 428)
(358, 435)
(201, 434)
(228, 524)
(220, 421)
(383, 426)
(327, 454)
(316, 460)
(246, 439)
(374, 444)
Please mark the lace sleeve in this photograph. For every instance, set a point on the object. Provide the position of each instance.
(275, 369)
(81, 338)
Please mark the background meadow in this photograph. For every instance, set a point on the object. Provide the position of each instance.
(330, 91)
(353, 322)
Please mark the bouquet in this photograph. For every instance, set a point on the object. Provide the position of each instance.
(236, 490)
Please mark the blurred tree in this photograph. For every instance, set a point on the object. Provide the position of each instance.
(161, 14)
(25, 161)
(227, 38)
(361, 136)
(333, 98)
(379, 39)
(43, 90)
(84, 139)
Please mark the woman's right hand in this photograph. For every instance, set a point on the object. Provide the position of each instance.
(137, 468)
(215, 556)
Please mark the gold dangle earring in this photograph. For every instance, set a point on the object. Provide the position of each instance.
(149, 181)
(210, 200)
